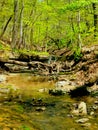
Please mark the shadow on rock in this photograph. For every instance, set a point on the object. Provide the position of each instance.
(80, 91)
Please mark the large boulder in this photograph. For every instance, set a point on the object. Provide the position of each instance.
(81, 109)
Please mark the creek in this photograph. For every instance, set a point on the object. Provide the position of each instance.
(32, 108)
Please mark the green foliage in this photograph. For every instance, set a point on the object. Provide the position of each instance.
(53, 18)
(77, 5)
(77, 54)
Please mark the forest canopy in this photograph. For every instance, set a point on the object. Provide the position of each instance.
(46, 24)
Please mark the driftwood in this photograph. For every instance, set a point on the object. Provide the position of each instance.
(9, 65)
(50, 68)
(13, 62)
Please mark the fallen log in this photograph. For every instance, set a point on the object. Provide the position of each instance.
(4, 63)
(13, 62)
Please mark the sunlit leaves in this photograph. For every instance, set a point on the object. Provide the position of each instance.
(76, 5)
(52, 18)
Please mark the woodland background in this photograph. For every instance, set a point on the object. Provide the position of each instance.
(44, 25)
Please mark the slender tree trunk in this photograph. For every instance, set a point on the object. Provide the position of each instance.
(32, 28)
(79, 44)
(95, 19)
(21, 25)
(15, 22)
(5, 27)
(31, 35)
(32, 14)
(71, 19)
(46, 30)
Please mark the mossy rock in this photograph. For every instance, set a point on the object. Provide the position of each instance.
(56, 92)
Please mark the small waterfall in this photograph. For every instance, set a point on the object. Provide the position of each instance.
(52, 59)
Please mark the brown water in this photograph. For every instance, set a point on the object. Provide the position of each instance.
(19, 114)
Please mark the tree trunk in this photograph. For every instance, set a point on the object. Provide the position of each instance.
(95, 19)
(5, 27)
(21, 25)
(15, 22)
(79, 44)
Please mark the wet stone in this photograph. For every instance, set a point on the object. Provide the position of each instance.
(40, 109)
(92, 113)
(82, 120)
(96, 102)
(80, 109)
(2, 78)
(86, 124)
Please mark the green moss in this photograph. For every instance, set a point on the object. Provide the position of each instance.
(30, 53)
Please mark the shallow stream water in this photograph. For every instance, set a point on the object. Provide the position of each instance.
(49, 112)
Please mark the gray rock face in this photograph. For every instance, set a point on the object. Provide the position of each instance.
(65, 85)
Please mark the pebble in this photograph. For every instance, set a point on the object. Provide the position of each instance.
(40, 108)
(91, 113)
(95, 107)
(96, 102)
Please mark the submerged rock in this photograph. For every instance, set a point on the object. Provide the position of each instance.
(43, 90)
(82, 120)
(86, 124)
(2, 78)
(56, 92)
